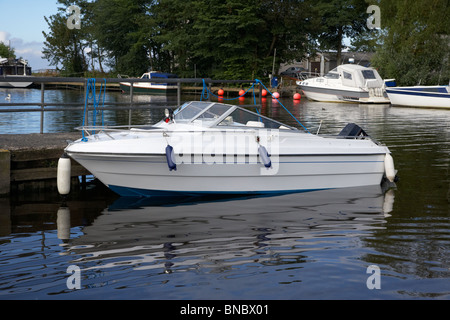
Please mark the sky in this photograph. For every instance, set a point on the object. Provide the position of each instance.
(21, 25)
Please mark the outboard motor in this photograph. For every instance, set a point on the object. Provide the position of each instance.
(353, 130)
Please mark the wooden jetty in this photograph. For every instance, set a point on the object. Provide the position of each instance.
(30, 160)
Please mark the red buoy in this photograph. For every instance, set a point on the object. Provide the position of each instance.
(297, 96)
(276, 95)
(241, 92)
(221, 92)
(264, 92)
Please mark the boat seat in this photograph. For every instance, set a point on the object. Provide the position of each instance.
(228, 120)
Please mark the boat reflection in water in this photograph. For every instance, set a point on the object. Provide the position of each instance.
(217, 233)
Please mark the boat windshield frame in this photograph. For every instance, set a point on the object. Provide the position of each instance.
(332, 74)
(206, 118)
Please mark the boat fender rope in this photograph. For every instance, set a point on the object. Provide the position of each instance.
(265, 157)
(170, 156)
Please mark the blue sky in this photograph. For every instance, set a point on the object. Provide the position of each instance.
(22, 23)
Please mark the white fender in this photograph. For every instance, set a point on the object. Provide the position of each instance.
(63, 175)
(389, 167)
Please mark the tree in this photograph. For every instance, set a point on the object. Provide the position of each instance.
(174, 36)
(64, 46)
(119, 30)
(339, 19)
(6, 51)
(415, 42)
(231, 39)
(94, 51)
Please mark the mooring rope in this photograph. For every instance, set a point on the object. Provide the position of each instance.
(259, 81)
(206, 92)
(91, 95)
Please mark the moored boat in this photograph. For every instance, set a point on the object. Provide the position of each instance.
(207, 147)
(346, 83)
(420, 96)
(10, 68)
(151, 87)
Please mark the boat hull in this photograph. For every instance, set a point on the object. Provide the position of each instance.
(206, 147)
(145, 175)
(15, 84)
(418, 97)
(340, 95)
(147, 89)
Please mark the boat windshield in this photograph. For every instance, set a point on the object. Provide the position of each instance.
(198, 110)
(241, 117)
(368, 74)
(333, 74)
(210, 114)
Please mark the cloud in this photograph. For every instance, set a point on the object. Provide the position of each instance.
(4, 36)
(31, 51)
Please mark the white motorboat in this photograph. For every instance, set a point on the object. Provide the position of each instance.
(420, 96)
(346, 83)
(151, 87)
(207, 147)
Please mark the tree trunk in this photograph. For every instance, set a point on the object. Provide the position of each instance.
(339, 48)
(100, 59)
(272, 46)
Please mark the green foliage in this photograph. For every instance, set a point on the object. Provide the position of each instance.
(231, 39)
(6, 51)
(118, 29)
(339, 19)
(416, 42)
(237, 39)
(63, 46)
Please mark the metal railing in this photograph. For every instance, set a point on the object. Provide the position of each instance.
(42, 106)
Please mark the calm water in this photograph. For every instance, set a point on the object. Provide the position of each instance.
(316, 245)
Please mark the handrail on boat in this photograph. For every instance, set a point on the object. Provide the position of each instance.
(105, 129)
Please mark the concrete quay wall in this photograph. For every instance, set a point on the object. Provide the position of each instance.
(33, 159)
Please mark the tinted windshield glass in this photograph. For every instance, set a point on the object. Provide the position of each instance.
(368, 74)
(189, 110)
(347, 75)
(215, 111)
(198, 110)
(332, 75)
(242, 117)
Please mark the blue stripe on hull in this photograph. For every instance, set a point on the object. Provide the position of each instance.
(135, 192)
(419, 93)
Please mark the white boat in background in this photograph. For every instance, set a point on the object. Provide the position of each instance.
(151, 87)
(346, 83)
(215, 148)
(10, 68)
(420, 96)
